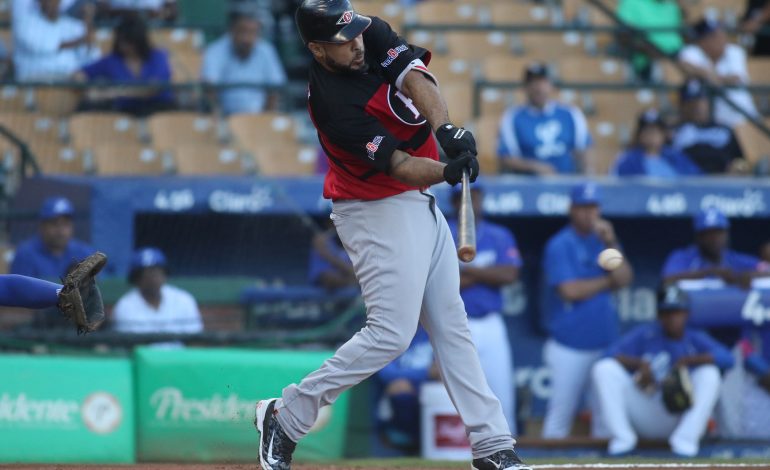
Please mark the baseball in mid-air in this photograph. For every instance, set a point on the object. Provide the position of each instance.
(610, 259)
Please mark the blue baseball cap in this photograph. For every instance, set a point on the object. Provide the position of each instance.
(705, 27)
(57, 206)
(710, 219)
(147, 257)
(585, 194)
(672, 298)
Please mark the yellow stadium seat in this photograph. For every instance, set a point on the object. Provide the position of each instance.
(475, 45)
(186, 66)
(15, 99)
(127, 159)
(31, 127)
(88, 130)
(607, 139)
(552, 46)
(620, 107)
(207, 159)
(252, 132)
(390, 11)
(486, 130)
(55, 158)
(174, 128)
(177, 40)
(591, 69)
(512, 12)
(755, 144)
(287, 160)
(504, 68)
(449, 69)
(55, 101)
(495, 100)
(443, 12)
(459, 98)
(759, 70)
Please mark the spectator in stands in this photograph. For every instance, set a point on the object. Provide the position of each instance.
(496, 265)
(399, 413)
(330, 265)
(133, 60)
(240, 56)
(582, 319)
(756, 21)
(649, 155)
(51, 46)
(713, 60)
(627, 380)
(153, 306)
(710, 257)
(713, 147)
(50, 253)
(542, 137)
(165, 10)
(21, 10)
(646, 14)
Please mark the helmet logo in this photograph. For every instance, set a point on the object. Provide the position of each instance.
(346, 17)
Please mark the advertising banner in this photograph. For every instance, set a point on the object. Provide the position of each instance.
(198, 404)
(66, 410)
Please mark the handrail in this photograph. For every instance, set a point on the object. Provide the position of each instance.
(27, 157)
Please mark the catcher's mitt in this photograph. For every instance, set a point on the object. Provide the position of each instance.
(80, 299)
(677, 390)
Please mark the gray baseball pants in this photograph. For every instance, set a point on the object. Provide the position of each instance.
(406, 263)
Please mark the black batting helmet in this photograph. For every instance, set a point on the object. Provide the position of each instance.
(329, 21)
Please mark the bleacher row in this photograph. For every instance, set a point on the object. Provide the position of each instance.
(493, 54)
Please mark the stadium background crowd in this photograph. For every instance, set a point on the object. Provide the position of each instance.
(551, 89)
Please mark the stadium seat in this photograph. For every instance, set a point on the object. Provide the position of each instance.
(174, 128)
(494, 101)
(32, 128)
(208, 159)
(511, 12)
(551, 46)
(591, 69)
(127, 159)
(55, 158)
(607, 145)
(186, 66)
(449, 69)
(390, 11)
(755, 144)
(670, 73)
(440, 12)
(177, 40)
(252, 132)
(485, 131)
(87, 130)
(759, 70)
(15, 99)
(55, 101)
(621, 107)
(582, 12)
(459, 99)
(475, 45)
(504, 68)
(287, 160)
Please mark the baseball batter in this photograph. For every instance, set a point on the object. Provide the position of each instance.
(375, 107)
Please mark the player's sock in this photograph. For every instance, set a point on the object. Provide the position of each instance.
(27, 292)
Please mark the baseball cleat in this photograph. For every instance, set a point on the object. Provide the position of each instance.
(502, 460)
(275, 447)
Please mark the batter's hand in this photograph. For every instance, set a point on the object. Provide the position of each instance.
(455, 141)
(453, 171)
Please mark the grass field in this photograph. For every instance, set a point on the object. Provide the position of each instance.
(408, 464)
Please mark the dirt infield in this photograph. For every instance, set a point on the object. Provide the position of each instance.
(150, 466)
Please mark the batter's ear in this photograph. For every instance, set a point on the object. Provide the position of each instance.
(316, 49)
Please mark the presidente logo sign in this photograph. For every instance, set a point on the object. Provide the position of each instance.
(171, 407)
(100, 412)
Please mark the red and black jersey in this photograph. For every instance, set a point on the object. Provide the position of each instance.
(363, 118)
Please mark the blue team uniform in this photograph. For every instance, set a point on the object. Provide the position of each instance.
(661, 352)
(33, 259)
(690, 259)
(551, 135)
(319, 265)
(495, 245)
(413, 365)
(589, 324)
(756, 350)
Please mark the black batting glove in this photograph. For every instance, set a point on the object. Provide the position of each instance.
(453, 171)
(455, 140)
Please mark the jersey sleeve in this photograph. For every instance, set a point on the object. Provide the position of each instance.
(630, 344)
(674, 264)
(705, 344)
(559, 266)
(394, 55)
(318, 265)
(507, 250)
(362, 136)
(745, 263)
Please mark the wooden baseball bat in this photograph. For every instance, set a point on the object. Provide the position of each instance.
(466, 224)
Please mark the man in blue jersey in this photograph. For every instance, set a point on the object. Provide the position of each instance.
(330, 266)
(710, 256)
(496, 265)
(542, 137)
(627, 380)
(582, 320)
(53, 250)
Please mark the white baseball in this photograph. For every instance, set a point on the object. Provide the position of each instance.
(610, 259)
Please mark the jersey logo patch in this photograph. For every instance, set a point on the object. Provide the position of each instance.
(393, 53)
(346, 17)
(373, 146)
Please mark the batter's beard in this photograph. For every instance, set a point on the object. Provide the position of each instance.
(345, 69)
